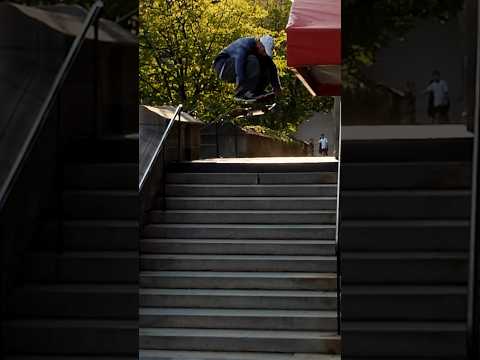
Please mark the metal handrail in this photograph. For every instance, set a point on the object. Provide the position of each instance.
(473, 307)
(52, 94)
(160, 146)
(338, 248)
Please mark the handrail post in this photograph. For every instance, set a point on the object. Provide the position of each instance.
(473, 311)
(179, 139)
(59, 186)
(235, 133)
(164, 187)
(217, 140)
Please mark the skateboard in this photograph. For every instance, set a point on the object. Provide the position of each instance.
(257, 106)
(264, 98)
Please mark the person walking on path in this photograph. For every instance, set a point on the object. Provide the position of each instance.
(438, 101)
(323, 145)
(248, 63)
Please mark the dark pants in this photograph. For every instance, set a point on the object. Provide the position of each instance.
(257, 74)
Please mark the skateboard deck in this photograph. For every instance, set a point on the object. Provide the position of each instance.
(262, 99)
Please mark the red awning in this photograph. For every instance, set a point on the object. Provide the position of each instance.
(314, 40)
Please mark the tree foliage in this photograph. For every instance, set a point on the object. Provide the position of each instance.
(179, 40)
(369, 25)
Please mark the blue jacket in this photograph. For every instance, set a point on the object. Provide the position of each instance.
(239, 51)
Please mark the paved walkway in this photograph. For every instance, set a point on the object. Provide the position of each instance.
(405, 132)
(270, 160)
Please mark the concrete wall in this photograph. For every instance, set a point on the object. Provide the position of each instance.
(254, 145)
(236, 142)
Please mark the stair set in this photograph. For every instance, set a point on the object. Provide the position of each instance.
(404, 238)
(238, 263)
(63, 311)
(238, 260)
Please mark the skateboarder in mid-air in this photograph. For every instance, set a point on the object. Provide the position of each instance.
(248, 63)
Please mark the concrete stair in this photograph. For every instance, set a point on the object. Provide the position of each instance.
(235, 246)
(415, 175)
(115, 149)
(244, 216)
(67, 357)
(79, 295)
(261, 319)
(250, 203)
(251, 178)
(213, 190)
(238, 263)
(240, 340)
(241, 231)
(404, 234)
(391, 204)
(217, 355)
(103, 267)
(409, 149)
(239, 299)
(405, 303)
(71, 336)
(405, 267)
(266, 170)
(406, 339)
(75, 301)
(238, 280)
(100, 235)
(241, 264)
(101, 204)
(106, 176)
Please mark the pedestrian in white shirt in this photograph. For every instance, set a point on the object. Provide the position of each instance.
(439, 102)
(323, 145)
